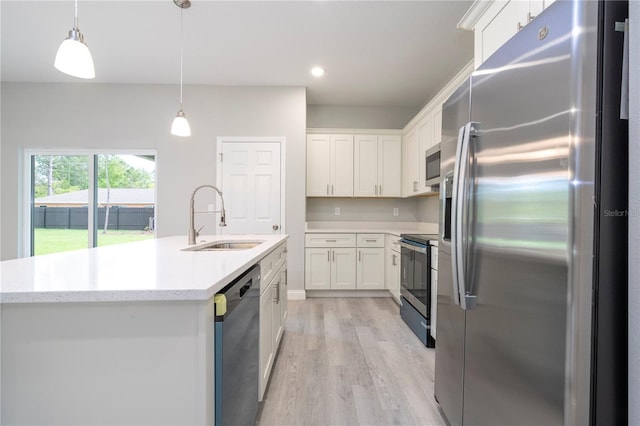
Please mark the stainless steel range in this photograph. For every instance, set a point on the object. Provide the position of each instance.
(415, 284)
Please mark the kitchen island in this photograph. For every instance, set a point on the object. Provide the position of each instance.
(115, 335)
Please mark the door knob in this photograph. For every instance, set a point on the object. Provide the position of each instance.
(275, 227)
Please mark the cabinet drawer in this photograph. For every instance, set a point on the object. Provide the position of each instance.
(434, 257)
(270, 265)
(370, 240)
(330, 240)
(280, 256)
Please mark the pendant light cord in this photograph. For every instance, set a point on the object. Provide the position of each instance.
(181, 51)
(75, 16)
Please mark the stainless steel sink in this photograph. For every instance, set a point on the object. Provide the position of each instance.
(224, 246)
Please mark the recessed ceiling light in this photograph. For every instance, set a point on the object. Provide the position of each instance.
(317, 71)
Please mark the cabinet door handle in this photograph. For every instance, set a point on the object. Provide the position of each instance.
(331, 241)
(276, 288)
(393, 260)
(334, 256)
(376, 189)
(328, 255)
(371, 241)
(380, 190)
(359, 256)
(331, 189)
(327, 189)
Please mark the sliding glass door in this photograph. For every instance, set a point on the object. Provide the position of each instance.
(90, 200)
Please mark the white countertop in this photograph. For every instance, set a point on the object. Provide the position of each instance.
(148, 270)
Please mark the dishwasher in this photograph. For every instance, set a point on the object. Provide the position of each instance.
(237, 341)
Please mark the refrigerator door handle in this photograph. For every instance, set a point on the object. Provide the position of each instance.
(455, 218)
(459, 250)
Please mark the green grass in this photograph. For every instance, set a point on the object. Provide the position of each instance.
(58, 240)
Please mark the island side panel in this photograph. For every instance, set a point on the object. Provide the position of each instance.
(116, 363)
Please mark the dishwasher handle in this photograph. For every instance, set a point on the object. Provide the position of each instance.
(244, 289)
(239, 289)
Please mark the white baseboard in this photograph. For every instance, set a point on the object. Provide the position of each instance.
(296, 294)
(348, 293)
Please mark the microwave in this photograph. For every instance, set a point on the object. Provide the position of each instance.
(432, 167)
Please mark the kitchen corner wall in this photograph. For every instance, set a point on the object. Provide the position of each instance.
(131, 116)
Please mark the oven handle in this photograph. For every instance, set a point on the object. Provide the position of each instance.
(418, 249)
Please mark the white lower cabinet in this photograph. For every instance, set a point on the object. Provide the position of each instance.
(392, 266)
(370, 269)
(330, 268)
(344, 262)
(283, 290)
(266, 339)
(273, 311)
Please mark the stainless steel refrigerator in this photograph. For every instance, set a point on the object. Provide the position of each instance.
(533, 231)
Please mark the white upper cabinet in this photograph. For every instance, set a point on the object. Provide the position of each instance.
(437, 125)
(377, 169)
(410, 163)
(496, 22)
(390, 166)
(426, 134)
(329, 165)
(342, 165)
(365, 174)
(318, 165)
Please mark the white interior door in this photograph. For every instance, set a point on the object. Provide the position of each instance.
(251, 187)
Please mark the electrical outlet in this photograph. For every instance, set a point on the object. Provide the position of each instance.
(337, 211)
(396, 211)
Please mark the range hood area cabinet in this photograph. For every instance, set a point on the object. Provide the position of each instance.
(354, 164)
(426, 133)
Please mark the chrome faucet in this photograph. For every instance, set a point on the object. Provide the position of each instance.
(193, 234)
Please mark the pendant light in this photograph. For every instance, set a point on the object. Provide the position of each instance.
(73, 55)
(180, 125)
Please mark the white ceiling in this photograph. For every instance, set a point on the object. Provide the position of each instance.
(395, 53)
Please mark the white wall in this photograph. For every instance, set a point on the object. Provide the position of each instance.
(428, 209)
(107, 116)
(350, 117)
(634, 217)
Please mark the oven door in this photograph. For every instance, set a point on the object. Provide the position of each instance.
(414, 278)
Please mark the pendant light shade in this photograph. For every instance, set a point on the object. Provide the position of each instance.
(180, 125)
(74, 57)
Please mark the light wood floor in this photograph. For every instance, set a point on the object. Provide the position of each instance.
(350, 361)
